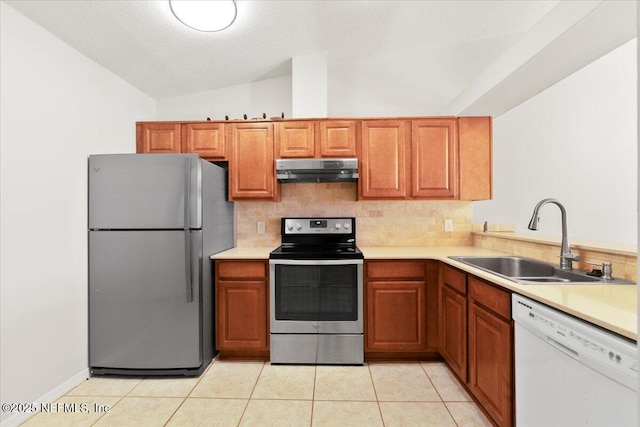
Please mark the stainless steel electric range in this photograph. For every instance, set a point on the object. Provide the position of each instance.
(316, 293)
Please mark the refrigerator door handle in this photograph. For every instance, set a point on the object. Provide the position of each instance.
(187, 239)
(188, 267)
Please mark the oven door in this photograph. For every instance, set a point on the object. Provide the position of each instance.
(316, 296)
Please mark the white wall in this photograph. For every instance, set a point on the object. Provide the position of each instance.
(57, 107)
(309, 85)
(577, 142)
(272, 96)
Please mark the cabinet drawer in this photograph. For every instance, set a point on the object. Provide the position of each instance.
(241, 269)
(395, 270)
(454, 279)
(494, 299)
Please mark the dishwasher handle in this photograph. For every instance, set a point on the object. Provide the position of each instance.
(563, 348)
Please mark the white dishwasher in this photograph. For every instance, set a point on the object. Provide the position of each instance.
(571, 373)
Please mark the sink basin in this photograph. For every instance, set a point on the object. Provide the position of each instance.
(530, 271)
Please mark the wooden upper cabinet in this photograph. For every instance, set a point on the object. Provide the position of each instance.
(437, 158)
(251, 164)
(295, 139)
(337, 138)
(434, 146)
(383, 151)
(475, 141)
(161, 137)
(206, 139)
(321, 138)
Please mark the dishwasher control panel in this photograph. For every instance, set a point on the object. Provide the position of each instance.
(583, 341)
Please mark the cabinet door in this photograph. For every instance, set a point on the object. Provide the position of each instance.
(475, 140)
(453, 336)
(490, 363)
(338, 138)
(158, 137)
(296, 139)
(434, 147)
(206, 139)
(241, 315)
(396, 316)
(384, 153)
(251, 166)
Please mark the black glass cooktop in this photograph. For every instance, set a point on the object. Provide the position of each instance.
(316, 252)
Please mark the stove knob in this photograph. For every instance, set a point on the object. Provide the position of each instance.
(337, 226)
(298, 226)
(289, 226)
(347, 225)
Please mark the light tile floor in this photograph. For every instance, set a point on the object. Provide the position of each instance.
(234, 393)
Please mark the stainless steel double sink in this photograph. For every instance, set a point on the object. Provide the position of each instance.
(529, 271)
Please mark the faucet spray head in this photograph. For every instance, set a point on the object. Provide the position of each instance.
(533, 224)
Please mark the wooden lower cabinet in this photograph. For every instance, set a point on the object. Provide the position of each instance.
(477, 340)
(401, 309)
(491, 350)
(242, 314)
(453, 335)
(453, 319)
(413, 309)
(396, 315)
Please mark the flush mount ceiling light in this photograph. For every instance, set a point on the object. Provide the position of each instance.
(205, 15)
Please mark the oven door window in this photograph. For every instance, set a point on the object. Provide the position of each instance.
(316, 292)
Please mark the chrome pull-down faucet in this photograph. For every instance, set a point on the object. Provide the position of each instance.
(566, 257)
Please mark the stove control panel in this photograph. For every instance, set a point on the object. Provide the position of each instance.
(318, 225)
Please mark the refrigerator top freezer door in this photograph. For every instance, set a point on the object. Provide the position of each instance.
(145, 191)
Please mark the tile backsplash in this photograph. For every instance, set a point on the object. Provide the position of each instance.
(379, 223)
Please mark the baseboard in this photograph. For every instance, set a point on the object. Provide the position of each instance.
(59, 391)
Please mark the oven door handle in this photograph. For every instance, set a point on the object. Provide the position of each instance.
(316, 261)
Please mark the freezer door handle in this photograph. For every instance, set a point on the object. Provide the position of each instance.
(187, 239)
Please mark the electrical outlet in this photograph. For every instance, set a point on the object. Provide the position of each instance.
(260, 227)
(448, 225)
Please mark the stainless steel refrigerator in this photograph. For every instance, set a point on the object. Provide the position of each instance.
(154, 220)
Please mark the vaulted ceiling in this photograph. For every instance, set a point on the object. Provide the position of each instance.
(447, 43)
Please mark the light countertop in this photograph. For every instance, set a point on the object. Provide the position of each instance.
(261, 252)
(613, 307)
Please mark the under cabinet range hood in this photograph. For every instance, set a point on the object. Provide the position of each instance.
(317, 170)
